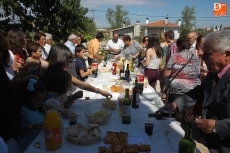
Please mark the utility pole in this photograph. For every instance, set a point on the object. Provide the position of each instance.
(93, 14)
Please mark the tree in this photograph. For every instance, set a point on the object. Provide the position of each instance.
(188, 20)
(58, 17)
(117, 17)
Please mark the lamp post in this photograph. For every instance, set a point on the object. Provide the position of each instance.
(166, 24)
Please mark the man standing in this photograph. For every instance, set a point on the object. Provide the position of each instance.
(49, 42)
(214, 92)
(93, 48)
(192, 36)
(172, 48)
(41, 39)
(72, 40)
(114, 46)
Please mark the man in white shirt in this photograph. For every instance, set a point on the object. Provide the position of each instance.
(41, 39)
(49, 42)
(72, 40)
(114, 46)
(192, 36)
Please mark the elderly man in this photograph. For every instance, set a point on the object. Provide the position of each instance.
(192, 36)
(49, 42)
(114, 46)
(71, 42)
(214, 92)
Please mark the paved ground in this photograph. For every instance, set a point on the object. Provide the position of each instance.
(199, 145)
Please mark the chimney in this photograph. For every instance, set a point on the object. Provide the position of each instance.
(123, 24)
(147, 20)
(146, 29)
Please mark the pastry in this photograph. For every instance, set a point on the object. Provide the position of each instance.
(144, 147)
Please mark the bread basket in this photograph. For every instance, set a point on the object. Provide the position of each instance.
(93, 131)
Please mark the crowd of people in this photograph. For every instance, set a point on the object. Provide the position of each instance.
(195, 67)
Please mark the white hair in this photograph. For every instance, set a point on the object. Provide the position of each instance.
(220, 40)
(72, 36)
(48, 36)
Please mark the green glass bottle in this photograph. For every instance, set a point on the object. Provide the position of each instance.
(126, 108)
(187, 144)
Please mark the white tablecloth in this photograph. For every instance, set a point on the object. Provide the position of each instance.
(166, 133)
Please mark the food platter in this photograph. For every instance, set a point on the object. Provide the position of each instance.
(83, 134)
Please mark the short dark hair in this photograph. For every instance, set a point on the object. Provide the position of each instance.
(183, 43)
(170, 34)
(32, 47)
(79, 48)
(99, 35)
(38, 35)
(126, 38)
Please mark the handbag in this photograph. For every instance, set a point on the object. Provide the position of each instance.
(167, 86)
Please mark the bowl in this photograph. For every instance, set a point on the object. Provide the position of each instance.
(98, 116)
(110, 104)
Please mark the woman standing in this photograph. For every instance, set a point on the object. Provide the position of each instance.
(188, 78)
(142, 53)
(17, 45)
(153, 60)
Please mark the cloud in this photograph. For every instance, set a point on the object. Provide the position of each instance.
(98, 3)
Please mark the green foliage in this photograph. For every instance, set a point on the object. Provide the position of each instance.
(188, 20)
(139, 39)
(117, 17)
(58, 17)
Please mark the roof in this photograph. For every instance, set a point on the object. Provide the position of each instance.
(160, 23)
(121, 28)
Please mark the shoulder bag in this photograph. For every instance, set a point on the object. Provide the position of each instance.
(167, 86)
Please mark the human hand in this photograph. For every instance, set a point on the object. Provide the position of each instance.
(94, 68)
(171, 107)
(38, 125)
(78, 94)
(206, 125)
(106, 94)
(20, 62)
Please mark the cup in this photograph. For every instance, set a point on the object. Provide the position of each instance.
(72, 118)
(149, 126)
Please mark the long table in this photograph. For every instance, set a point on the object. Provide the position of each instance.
(166, 133)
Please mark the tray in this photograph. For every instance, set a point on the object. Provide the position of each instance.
(141, 138)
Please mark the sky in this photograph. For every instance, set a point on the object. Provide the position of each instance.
(158, 10)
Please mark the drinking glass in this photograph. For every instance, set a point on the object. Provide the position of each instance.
(149, 126)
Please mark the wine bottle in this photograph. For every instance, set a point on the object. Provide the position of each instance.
(127, 73)
(187, 144)
(160, 114)
(114, 68)
(122, 73)
(126, 110)
(136, 98)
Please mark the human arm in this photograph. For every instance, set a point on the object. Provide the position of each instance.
(147, 60)
(84, 74)
(72, 98)
(17, 63)
(88, 87)
(30, 127)
(24, 71)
